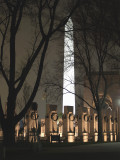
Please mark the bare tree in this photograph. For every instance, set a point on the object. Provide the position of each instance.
(45, 12)
(94, 42)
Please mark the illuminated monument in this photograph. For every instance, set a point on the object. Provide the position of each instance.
(79, 124)
(68, 79)
(83, 126)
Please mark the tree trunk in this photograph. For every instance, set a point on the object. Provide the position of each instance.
(100, 127)
(9, 133)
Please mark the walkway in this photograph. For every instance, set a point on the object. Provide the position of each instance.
(103, 147)
(104, 151)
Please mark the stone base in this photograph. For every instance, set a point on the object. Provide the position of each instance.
(71, 137)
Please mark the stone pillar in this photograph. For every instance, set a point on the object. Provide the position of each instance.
(1, 134)
(51, 120)
(65, 125)
(68, 123)
(31, 123)
(92, 124)
(109, 129)
(115, 129)
(76, 125)
(60, 127)
(105, 125)
(42, 134)
(115, 125)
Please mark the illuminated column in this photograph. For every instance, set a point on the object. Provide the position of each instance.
(65, 125)
(60, 126)
(95, 127)
(85, 119)
(71, 122)
(68, 123)
(17, 128)
(105, 119)
(68, 79)
(112, 124)
(88, 122)
(109, 129)
(51, 120)
(1, 133)
(42, 128)
(115, 129)
(54, 118)
(85, 124)
(76, 125)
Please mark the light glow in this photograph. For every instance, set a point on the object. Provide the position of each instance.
(71, 137)
(105, 137)
(85, 137)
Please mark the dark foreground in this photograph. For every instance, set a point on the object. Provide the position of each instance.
(104, 151)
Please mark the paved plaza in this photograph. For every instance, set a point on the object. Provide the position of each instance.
(103, 151)
(89, 148)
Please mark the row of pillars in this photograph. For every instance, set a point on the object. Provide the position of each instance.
(82, 127)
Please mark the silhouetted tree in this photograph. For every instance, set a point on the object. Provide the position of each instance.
(46, 15)
(94, 42)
